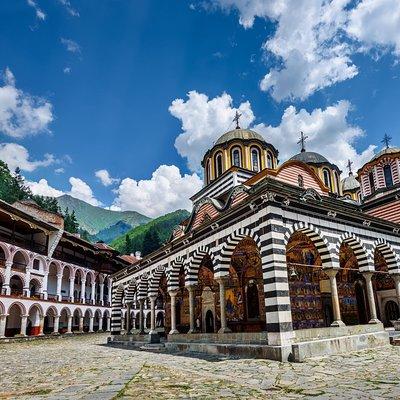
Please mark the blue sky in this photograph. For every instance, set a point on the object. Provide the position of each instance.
(99, 79)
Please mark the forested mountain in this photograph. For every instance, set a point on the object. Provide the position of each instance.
(147, 238)
(95, 219)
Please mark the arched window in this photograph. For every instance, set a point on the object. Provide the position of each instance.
(236, 157)
(270, 161)
(255, 159)
(300, 181)
(387, 171)
(327, 179)
(371, 182)
(218, 165)
(337, 182)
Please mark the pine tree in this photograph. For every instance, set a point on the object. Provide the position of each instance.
(151, 241)
(128, 245)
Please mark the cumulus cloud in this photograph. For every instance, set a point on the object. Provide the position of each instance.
(20, 113)
(313, 43)
(43, 188)
(70, 45)
(166, 191)
(105, 178)
(39, 13)
(329, 133)
(16, 155)
(203, 121)
(81, 190)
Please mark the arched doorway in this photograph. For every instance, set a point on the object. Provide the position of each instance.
(106, 316)
(86, 320)
(244, 290)
(182, 304)
(76, 319)
(209, 322)
(52, 281)
(49, 320)
(392, 312)
(63, 325)
(20, 262)
(14, 319)
(16, 285)
(96, 320)
(351, 288)
(33, 324)
(309, 287)
(35, 288)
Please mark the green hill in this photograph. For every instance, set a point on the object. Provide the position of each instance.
(95, 219)
(164, 226)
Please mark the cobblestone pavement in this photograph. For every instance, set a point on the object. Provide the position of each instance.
(83, 368)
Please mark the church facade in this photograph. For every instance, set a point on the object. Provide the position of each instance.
(282, 261)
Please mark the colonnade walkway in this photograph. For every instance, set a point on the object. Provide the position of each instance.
(84, 368)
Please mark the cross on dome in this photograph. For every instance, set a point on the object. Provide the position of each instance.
(349, 164)
(302, 142)
(386, 140)
(237, 118)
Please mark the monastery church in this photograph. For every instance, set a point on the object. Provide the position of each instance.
(278, 260)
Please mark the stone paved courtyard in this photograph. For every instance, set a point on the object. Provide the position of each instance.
(83, 368)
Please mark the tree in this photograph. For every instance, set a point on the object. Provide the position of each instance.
(151, 241)
(47, 203)
(128, 245)
(70, 223)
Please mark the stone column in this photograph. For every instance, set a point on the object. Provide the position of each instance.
(6, 285)
(100, 324)
(102, 294)
(141, 316)
(396, 278)
(59, 282)
(24, 320)
(224, 327)
(71, 289)
(109, 299)
(371, 300)
(192, 324)
(128, 317)
(3, 320)
(93, 293)
(172, 294)
(44, 287)
(153, 334)
(41, 325)
(91, 321)
(56, 325)
(108, 324)
(83, 291)
(26, 291)
(81, 324)
(335, 297)
(69, 326)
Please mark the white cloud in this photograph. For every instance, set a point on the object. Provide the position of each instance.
(329, 133)
(376, 23)
(105, 178)
(70, 45)
(20, 113)
(203, 121)
(67, 4)
(166, 191)
(67, 70)
(39, 13)
(314, 41)
(81, 190)
(16, 155)
(59, 170)
(43, 188)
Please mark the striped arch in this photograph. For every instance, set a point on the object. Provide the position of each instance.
(318, 239)
(154, 281)
(6, 251)
(363, 259)
(130, 291)
(173, 273)
(142, 287)
(193, 264)
(390, 256)
(116, 310)
(222, 266)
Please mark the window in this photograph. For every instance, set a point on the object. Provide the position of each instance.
(327, 179)
(371, 182)
(208, 171)
(337, 181)
(300, 181)
(236, 157)
(218, 165)
(270, 161)
(387, 171)
(255, 160)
